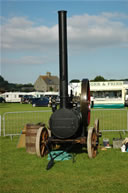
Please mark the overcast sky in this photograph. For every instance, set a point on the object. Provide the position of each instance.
(97, 39)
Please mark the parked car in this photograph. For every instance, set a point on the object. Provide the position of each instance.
(42, 102)
(27, 99)
(2, 100)
(33, 100)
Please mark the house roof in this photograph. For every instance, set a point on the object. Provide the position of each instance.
(50, 80)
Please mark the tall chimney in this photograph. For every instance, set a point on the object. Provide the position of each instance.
(63, 69)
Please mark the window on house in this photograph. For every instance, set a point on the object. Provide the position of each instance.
(50, 81)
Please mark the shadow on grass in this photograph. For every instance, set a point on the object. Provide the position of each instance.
(73, 149)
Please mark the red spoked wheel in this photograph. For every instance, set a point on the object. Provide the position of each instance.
(41, 141)
(85, 102)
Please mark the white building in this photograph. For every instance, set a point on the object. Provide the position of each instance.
(15, 97)
(108, 92)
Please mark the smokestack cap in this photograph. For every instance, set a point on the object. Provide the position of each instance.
(62, 11)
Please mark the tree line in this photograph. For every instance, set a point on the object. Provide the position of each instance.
(99, 79)
(11, 87)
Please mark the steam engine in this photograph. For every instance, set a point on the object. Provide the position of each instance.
(71, 120)
(69, 123)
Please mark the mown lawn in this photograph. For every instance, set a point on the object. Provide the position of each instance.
(24, 173)
(13, 107)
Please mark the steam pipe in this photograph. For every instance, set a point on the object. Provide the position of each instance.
(63, 69)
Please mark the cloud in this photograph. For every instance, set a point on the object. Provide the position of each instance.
(27, 60)
(20, 33)
(98, 31)
(17, 23)
(84, 31)
(115, 15)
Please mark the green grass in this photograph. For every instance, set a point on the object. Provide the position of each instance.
(13, 107)
(21, 172)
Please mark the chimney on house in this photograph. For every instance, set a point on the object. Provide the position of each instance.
(48, 74)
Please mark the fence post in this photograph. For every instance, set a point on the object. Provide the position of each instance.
(4, 124)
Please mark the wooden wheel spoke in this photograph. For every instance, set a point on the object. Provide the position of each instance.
(42, 142)
(93, 137)
(43, 135)
(46, 136)
(42, 149)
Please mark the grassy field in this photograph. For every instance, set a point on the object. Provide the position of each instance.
(13, 107)
(21, 172)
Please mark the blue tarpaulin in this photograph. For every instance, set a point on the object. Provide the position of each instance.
(61, 157)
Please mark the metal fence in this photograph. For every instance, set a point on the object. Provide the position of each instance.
(110, 120)
(14, 122)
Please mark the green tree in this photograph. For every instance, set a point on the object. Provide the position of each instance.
(99, 79)
(3, 84)
(6, 86)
